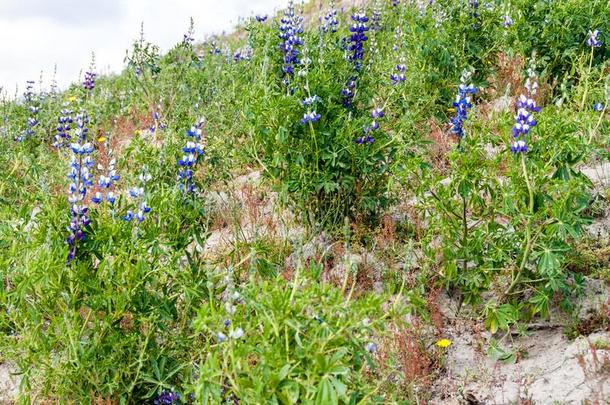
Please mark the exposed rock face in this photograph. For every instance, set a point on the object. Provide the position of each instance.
(550, 368)
(554, 370)
(598, 174)
(9, 384)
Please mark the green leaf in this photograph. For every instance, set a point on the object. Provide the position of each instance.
(289, 393)
(326, 394)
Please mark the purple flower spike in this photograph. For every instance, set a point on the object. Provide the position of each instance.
(311, 116)
(167, 398)
(89, 82)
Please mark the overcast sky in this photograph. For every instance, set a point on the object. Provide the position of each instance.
(37, 34)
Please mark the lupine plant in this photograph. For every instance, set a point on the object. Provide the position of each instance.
(193, 153)
(64, 126)
(138, 197)
(291, 29)
(331, 22)
(462, 104)
(107, 182)
(593, 41)
(463, 207)
(81, 179)
(33, 107)
(357, 39)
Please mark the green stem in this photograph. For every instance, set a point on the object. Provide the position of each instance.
(584, 96)
(295, 284)
(315, 144)
(599, 122)
(529, 186)
(465, 234)
(528, 231)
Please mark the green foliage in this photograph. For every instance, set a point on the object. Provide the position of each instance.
(303, 343)
(141, 307)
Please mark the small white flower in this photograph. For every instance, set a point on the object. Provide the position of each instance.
(236, 333)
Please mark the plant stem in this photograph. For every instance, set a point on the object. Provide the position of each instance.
(315, 143)
(599, 122)
(465, 233)
(295, 284)
(584, 96)
(528, 230)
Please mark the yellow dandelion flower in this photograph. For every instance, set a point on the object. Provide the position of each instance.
(444, 343)
(71, 99)
(451, 109)
(138, 132)
(101, 139)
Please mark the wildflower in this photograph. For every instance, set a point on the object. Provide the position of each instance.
(110, 197)
(593, 41)
(97, 198)
(462, 104)
(167, 398)
(365, 140)
(129, 216)
(474, 5)
(376, 20)
(310, 116)
(32, 102)
(194, 132)
(236, 333)
(243, 54)
(194, 150)
(371, 347)
(598, 107)
(310, 100)
(444, 343)
(144, 177)
(261, 18)
(400, 76)
(508, 21)
(138, 194)
(107, 181)
(290, 28)
(80, 179)
(63, 136)
(377, 113)
(188, 38)
(230, 308)
(221, 337)
(330, 20)
(214, 49)
(357, 39)
(89, 82)
(519, 146)
(524, 122)
(157, 123)
(348, 92)
(227, 323)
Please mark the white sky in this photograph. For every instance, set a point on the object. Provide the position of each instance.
(37, 34)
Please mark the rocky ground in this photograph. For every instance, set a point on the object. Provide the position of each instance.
(543, 365)
(9, 384)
